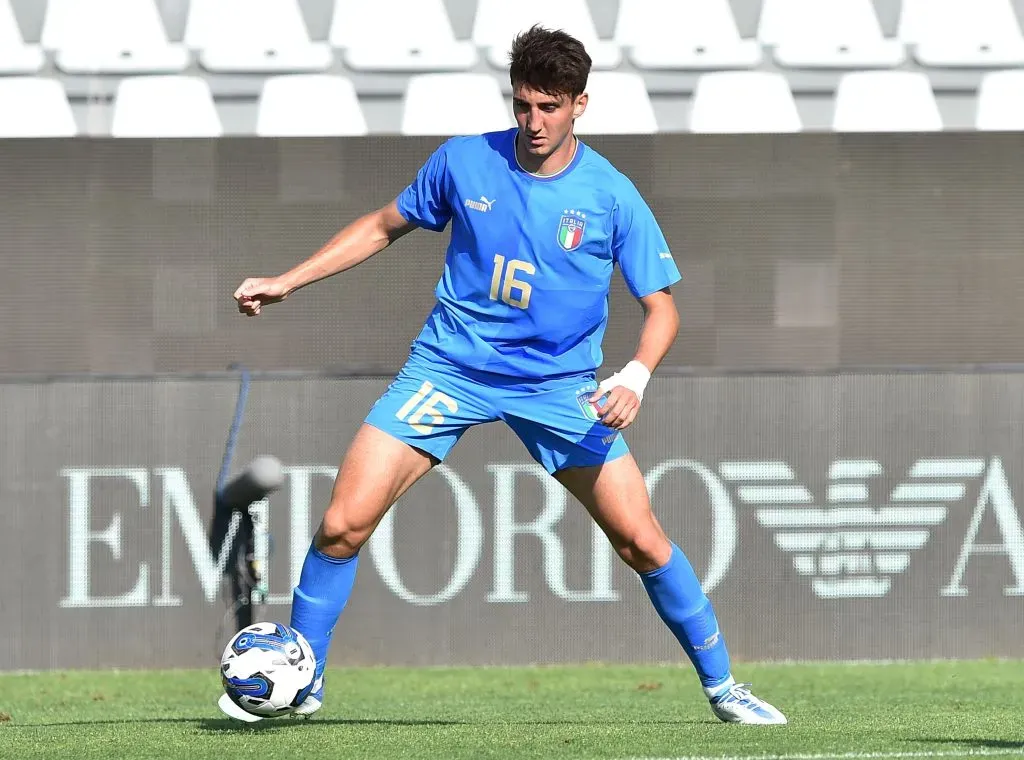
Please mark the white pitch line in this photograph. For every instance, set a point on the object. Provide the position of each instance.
(982, 752)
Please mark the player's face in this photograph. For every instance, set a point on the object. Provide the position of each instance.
(545, 121)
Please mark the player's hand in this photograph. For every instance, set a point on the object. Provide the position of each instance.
(256, 292)
(624, 391)
(620, 408)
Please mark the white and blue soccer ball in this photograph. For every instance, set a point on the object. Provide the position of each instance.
(268, 669)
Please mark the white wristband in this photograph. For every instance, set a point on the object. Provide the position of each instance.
(634, 376)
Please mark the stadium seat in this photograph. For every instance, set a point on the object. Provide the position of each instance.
(399, 35)
(1000, 104)
(743, 102)
(15, 56)
(669, 34)
(497, 22)
(35, 107)
(309, 105)
(617, 103)
(253, 36)
(836, 34)
(962, 33)
(454, 104)
(165, 106)
(885, 101)
(110, 37)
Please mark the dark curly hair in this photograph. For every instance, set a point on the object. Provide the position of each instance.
(549, 61)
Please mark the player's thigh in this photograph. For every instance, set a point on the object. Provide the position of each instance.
(410, 428)
(615, 495)
(560, 428)
(375, 471)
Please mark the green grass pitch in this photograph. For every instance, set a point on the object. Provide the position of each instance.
(920, 710)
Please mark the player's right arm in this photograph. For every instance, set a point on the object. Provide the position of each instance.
(355, 243)
(424, 203)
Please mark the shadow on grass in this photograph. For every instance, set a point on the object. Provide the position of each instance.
(223, 724)
(1017, 744)
(604, 722)
(226, 724)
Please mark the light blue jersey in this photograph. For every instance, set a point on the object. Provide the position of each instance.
(526, 278)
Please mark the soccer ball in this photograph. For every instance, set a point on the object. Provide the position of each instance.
(268, 669)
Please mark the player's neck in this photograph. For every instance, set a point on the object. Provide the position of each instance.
(551, 164)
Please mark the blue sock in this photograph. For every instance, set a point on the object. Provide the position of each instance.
(324, 587)
(682, 604)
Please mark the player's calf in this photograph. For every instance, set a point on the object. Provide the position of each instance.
(374, 473)
(679, 599)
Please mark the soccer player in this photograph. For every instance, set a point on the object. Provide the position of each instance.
(539, 220)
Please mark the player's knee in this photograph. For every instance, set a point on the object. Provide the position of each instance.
(340, 536)
(645, 549)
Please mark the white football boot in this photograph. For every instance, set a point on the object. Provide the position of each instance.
(313, 702)
(310, 705)
(735, 704)
(232, 710)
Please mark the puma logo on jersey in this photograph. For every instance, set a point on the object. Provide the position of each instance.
(481, 205)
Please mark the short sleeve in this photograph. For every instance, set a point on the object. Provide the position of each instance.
(425, 201)
(639, 247)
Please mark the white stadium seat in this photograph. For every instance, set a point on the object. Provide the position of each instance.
(253, 36)
(239, 22)
(399, 35)
(309, 105)
(165, 106)
(743, 102)
(113, 24)
(15, 56)
(10, 32)
(454, 104)
(885, 101)
(497, 22)
(110, 36)
(1001, 101)
(34, 107)
(969, 33)
(683, 34)
(834, 34)
(710, 66)
(617, 103)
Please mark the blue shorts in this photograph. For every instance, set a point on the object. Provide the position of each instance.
(432, 402)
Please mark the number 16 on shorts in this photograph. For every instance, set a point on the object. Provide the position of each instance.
(416, 408)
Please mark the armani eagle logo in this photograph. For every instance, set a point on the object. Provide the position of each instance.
(848, 546)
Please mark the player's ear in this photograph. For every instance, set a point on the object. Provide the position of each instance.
(580, 106)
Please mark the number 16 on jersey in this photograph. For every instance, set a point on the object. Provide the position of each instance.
(503, 281)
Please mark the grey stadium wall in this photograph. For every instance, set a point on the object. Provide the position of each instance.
(835, 502)
(802, 251)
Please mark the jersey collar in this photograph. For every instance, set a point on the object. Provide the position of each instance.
(577, 154)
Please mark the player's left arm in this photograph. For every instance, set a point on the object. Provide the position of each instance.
(625, 389)
(661, 325)
(642, 255)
